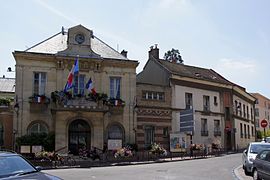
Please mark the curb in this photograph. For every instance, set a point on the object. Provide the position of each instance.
(236, 174)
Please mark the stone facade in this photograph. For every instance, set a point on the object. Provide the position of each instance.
(53, 59)
(211, 97)
(262, 110)
(7, 91)
(154, 113)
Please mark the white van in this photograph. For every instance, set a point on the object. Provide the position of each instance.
(250, 154)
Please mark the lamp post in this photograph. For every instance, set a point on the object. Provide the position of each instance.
(15, 131)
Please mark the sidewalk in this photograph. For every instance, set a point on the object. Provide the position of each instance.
(86, 163)
(240, 175)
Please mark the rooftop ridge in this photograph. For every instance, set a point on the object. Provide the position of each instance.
(110, 47)
(42, 41)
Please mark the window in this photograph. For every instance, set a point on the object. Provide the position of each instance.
(227, 113)
(215, 101)
(115, 85)
(206, 104)
(1, 134)
(217, 131)
(149, 135)
(39, 83)
(38, 128)
(248, 131)
(165, 132)
(241, 130)
(247, 112)
(79, 84)
(245, 130)
(240, 109)
(244, 110)
(257, 112)
(188, 97)
(204, 129)
(252, 130)
(115, 132)
(153, 95)
(251, 113)
(236, 107)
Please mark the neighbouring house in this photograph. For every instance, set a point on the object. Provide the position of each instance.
(183, 87)
(98, 109)
(7, 92)
(262, 110)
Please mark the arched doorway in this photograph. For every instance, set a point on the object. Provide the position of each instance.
(115, 135)
(79, 135)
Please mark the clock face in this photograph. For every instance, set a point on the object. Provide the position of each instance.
(79, 38)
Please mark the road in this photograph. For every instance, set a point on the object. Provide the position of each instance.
(220, 168)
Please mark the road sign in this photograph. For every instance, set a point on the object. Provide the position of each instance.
(264, 123)
(187, 121)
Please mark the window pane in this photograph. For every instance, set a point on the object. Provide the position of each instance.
(39, 83)
(149, 135)
(115, 87)
(115, 132)
(38, 128)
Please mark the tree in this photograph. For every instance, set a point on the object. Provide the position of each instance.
(173, 56)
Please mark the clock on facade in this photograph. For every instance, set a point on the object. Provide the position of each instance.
(79, 38)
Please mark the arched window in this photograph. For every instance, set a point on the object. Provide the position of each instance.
(115, 132)
(1, 134)
(38, 128)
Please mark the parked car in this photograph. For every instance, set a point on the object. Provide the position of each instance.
(250, 154)
(15, 166)
(261, 165)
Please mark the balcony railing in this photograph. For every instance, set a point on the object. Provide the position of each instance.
(217, 133)
(204, 133)
(206, 108)
(96, 102)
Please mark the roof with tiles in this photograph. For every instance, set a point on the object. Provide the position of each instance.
(58, 42)
(7, 85)
(193, 72)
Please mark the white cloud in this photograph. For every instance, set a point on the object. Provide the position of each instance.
(237, 65)
(56, 11)
(244, 72)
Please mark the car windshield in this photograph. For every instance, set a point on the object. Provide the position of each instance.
(256, 148)
(14, 166)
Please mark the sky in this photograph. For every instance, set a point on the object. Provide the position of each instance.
(230, 36)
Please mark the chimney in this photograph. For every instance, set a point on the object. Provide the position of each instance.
(154, 52)
(124, 53)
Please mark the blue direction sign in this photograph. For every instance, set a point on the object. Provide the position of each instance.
(187, 121)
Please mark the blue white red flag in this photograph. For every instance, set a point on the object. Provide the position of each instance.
(74, 70)
(90, 86)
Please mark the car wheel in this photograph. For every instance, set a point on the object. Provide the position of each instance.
(255, 175)
(246, 172)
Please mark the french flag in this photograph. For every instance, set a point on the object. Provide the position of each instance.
(74, 70)
(90, 86)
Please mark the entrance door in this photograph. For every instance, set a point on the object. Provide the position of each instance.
(79, 136)
(229, 140)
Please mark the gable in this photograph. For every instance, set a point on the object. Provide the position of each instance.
(154, 74)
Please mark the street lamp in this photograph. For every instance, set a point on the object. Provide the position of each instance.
(15, 131)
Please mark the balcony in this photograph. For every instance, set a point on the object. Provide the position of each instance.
(93, 102)
(204, 133)
(39, 103)
(217, 133)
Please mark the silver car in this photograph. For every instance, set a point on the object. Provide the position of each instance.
(250, 154)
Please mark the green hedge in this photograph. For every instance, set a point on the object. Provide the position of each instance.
(45, 140)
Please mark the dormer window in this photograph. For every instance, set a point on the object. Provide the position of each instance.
(198, 75)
